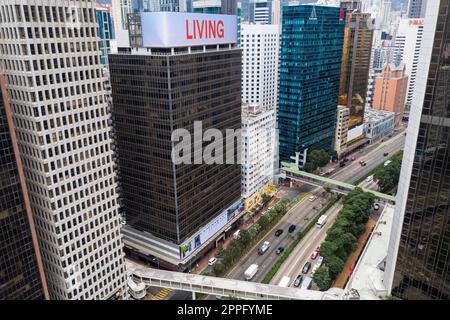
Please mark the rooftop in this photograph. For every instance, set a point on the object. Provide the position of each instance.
(367, 277)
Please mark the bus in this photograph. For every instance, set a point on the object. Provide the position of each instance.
(321, 222)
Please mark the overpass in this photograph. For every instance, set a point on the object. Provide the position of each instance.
(224, 287)
(292, 171)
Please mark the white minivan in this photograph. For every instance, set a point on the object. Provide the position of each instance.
(212, 261)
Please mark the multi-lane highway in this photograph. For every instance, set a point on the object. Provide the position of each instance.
(373, 156)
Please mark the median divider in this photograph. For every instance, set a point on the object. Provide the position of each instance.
(300, 235)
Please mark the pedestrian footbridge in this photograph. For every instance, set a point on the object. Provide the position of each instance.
(292, 171)
(224, 287)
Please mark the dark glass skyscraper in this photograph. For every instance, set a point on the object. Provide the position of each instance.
(157, 91)
(419, 253)
(310, 69)
(21, 275)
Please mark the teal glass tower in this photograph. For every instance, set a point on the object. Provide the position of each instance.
(310, 68)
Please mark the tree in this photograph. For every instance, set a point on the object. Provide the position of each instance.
(263, 222)
(335, 266)
(322, 278)
(245, 237)
(309, 167)
(319, 158)
(218, 269)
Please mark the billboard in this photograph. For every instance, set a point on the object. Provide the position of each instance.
(179, 29)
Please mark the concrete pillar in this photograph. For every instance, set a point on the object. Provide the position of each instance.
(193, 296)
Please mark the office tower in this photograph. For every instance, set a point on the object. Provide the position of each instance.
(22, 276)
(358, 37)
(416, 9)
(310, 70)
(103, 15)
(260, 50)
(265, 11)
(408, 43)
(175, 211)
(342, 121)
(390, 91)
(258, 153)
(417, 265)
(120, 10)
(215, 6)
(55, 84)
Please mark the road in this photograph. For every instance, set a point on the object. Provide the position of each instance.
(373, 156)
(302, 253)
(300, 215)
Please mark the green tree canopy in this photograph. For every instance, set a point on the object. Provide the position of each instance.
(322, 278)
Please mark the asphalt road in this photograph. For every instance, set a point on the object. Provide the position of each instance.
(302, 253)
(300, 216)
(373, 156)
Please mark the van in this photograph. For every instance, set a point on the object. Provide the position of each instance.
(212, 261)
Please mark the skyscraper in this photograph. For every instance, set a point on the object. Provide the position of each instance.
(51, 61)
(408, 42)
(310, 70)
(417, 265)
(175, 211)
(416, 8)
(22, 276)
(260, 51)
(355, 69)
(103, 14)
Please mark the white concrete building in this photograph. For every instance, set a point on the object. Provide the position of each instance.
(378, 124)
(340, 138)
(258, 149)
(260, 49)
(408, 43)
(120, 10)
(50, 57)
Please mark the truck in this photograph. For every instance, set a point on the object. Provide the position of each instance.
(251, 271)
(265, 246)
(322, 220)
(285, 282)
(306, 284)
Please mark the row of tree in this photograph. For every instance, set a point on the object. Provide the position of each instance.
(234, 251)
(387, 177)
(317, 159)
(342, 237)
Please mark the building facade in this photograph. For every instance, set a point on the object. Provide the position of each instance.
(174, 210)
(342, 120)
(258, 153)
(310, 70)
(260, 46)
(265, 12)
(390, 91)
(408, 43)
(22, 275)
(355, 69)
(417, 8)
(103, 15)
(378, 124)
(417, 265)
(55, 84)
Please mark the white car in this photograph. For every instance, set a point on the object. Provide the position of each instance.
(312, 198)
(369, 178)
(319, 261)
(212, 261)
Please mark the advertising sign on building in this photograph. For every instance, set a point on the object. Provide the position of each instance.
(178, 29)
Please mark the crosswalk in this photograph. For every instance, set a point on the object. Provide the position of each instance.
(162, 294)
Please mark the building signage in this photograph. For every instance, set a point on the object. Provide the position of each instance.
(210, 229)
(178, 29)
(416, 22)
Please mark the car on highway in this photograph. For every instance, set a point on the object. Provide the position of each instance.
(342, 164)
(318, 249)
(385, 154)
(376, 206)
(278, 232)
(292, 228)
(346, 160)
(312, 198)
(319, 261)
(362, 163)
(265, 246)
(306, 267)
(212, 261)
(279, 250)
(353, 158)
(314, 255)
(298, 281)
(369, 178)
